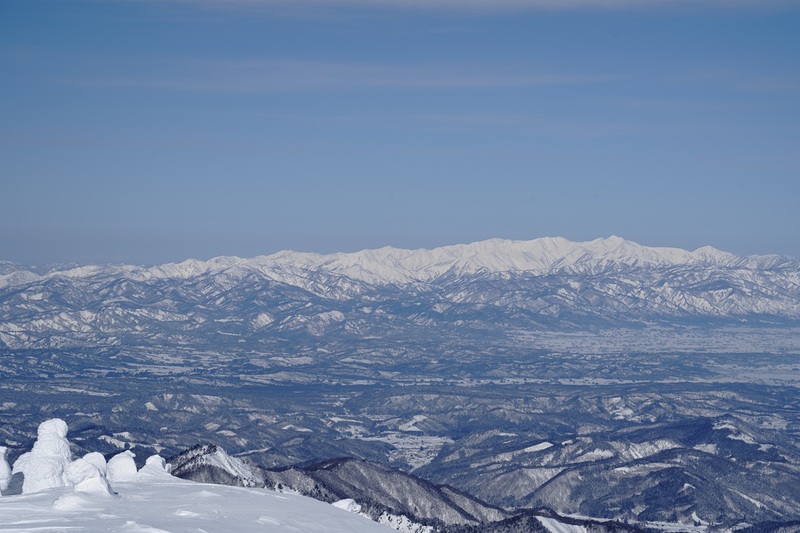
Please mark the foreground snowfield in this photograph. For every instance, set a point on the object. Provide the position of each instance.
(156, 502)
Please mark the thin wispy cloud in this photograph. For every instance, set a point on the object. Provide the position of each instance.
(286, 75)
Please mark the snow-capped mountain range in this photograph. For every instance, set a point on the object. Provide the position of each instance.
(547, 282)
(398, 266)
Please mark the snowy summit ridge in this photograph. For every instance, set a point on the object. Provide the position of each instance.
(391, 265)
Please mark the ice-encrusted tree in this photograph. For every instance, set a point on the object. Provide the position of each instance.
(5, 470)
(45, 465)
(50, 464)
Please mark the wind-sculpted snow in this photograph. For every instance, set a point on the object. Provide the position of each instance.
(121, 467)
(491, 285)
(45, 466)
(5, 469)
(160, 503)
(60, 494)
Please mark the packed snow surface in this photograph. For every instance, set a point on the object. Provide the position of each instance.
(156, 502)
(61, 494)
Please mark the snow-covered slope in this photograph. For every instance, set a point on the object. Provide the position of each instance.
(59, 493)
(158, 502)
(549, 282)
(211, 464)
(380, 489)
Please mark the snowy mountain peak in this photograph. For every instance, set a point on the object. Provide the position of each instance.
(390, 265)
(539, 256)
(710, 254)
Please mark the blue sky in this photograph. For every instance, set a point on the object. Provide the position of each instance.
(148, 131)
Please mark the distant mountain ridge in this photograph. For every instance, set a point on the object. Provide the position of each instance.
(390, 265)
(547, 282)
